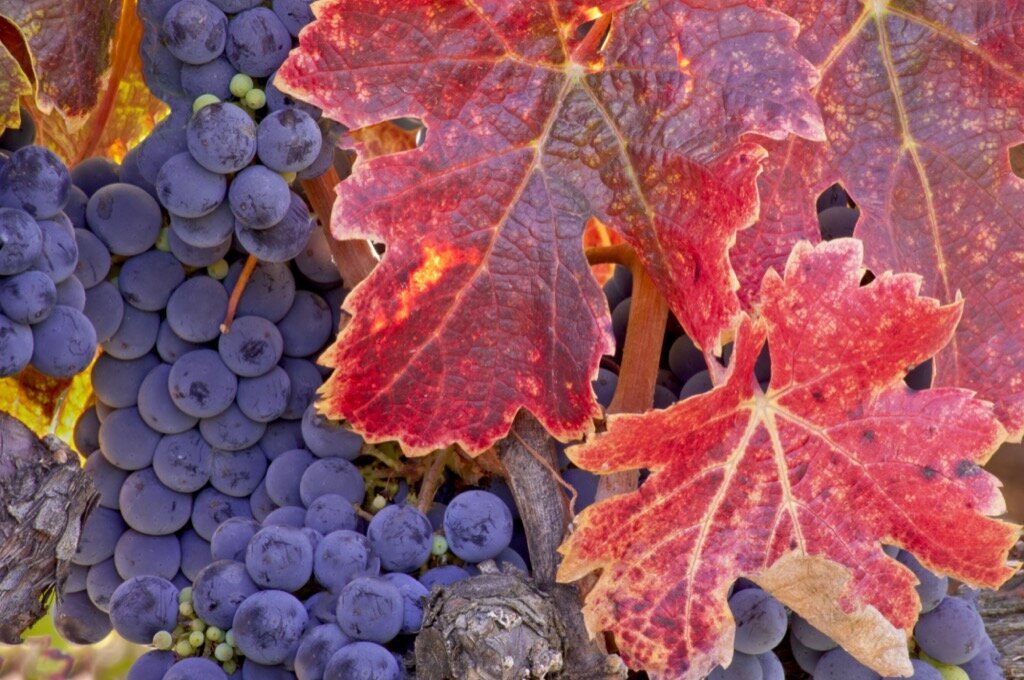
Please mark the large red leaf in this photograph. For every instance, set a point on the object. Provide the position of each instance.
(483, 303)
(797, 488)
(921, 101)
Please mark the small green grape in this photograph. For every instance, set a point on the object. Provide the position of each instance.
(378, 502)
(224, 652)
(240, 85)
(947, 671)
(196, 639)
(288, 176)
(162, 640)
(204, 100)
(185, 594)
(198, 624)
(183, 648)
(214, 634)
(255, 98)
(218, 270)
(230, 667)
(439, 546)
(185, 609)
(163, 241)
(229, 637)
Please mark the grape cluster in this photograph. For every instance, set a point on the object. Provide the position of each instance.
(42, 280)
(234, 532)
(222, 164)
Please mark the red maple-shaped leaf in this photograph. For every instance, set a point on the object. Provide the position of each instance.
(797, 488)
(921, 103)
(484, 303)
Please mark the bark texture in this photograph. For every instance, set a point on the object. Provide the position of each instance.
(45, 497)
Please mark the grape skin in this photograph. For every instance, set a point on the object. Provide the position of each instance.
(142, 606)
(218, 591)
(268, 625)
(478, 525)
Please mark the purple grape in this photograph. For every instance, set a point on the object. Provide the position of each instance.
(279, 557)
(317, 647)
(264, 399)
(232, 430)
(127, 441)
(101, 582)
(125, 218)
(35, 180)
(16, 346)
(213, 77)
(104, 308)
(151, 666)
(150, 507)
(252, 347)
(370, 608)
(401, 536)
(289, 140)
(414, 595)
(93, 258)
(195, 669)
(143, 606)
(231, 538)
(343, 556)
(186, 188)
(930, 588)
(329, 438)
(146, 281)
(443, 576)
(78, 620)
(196, 309)
(362, 661)
(742, 667)
(257, 42)
(183, 461)
(140, 555)
(211, 507)
(195, 554)
(761, 621)
(478, 525)
(259, 197)
(99, 536)
(330, 513)
(219, 589)
(195, 31)
(331, 476)
(208, 231)
(268, 626)
(201, 385)
(285, 239)
(222, 138)
(952, 633)
(157, 408)
(837, 664)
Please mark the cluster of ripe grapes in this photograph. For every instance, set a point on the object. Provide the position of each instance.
(233, 531)
(223, 162)
(43, 296)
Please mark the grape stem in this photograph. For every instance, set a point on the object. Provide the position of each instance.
(641, 353)
(573, 495)
(354, 258)
(236, 294)
(432, 480)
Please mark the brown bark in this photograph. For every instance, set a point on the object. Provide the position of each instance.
(45, 497)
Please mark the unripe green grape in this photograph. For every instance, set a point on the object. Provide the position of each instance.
(185, 609)
(214, 634)
(439, 546)
(163, 241)
(255, 98)
(378, 502)
(183, 648)
(198, 624)
(196, 639)
(185, 594)
(288, 176)
(162, 640)
(240, 85)
(218, 270)
(203, 101)
(230, 667)
(947, 671)
(229, 637)
(224, 652)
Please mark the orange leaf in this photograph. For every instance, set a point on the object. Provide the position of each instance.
(596, 235)
(383, 139)
(46, 405)
(17, 72)
(798, 487)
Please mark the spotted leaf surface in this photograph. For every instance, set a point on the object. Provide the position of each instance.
(71, 42)
(922, 102)
(483, 303)
(799, 486)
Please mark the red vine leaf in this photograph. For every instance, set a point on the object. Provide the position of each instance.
(922, 103)
(798, 487)
(17, 73)
(483, 303)
(70, 40)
